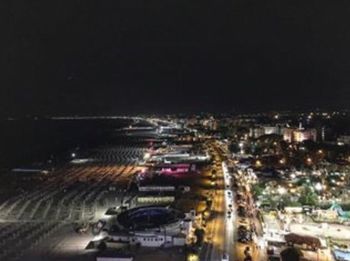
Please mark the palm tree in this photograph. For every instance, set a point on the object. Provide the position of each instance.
(291, 254)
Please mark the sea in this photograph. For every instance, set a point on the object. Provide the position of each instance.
(28, 141)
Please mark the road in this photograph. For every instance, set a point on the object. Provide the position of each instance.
(220, 229)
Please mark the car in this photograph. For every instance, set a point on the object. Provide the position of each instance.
(240, 202)
(244, 238)
(248, 258)
(209, 239)
(241, 212)
(239, 196)
(225, 257)
(244, 234)
(270, 250)
(242, 228)
(243, 221)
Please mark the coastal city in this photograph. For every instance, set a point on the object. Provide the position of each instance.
(175, 130)
(259, 186)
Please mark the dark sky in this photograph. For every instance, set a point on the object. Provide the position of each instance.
(100, 57)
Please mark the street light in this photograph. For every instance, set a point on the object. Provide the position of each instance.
(318, 186)
(281, 190)
(192, 257)
(241, 147)
(258, 163)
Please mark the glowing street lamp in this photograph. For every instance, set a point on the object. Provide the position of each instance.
(146, 156)
(318, 186)
(281, 190)
(309, 160)
(192, 257)
(258, 163)
(241, 147)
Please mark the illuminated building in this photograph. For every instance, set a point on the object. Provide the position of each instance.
(299, 134)
(344, 139)
(261, 130)
(151, 226)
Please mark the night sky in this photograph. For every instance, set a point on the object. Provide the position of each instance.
(103, 57)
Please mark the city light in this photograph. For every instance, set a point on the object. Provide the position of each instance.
(281, 190)
(182, 130)
(265, 195)
(318, 186)
(192, 257)
(258, 163)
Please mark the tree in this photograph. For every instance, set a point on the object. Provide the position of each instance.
(308, 197)
(234, 148)
(258, 189)
(199, 233)
(290, 254)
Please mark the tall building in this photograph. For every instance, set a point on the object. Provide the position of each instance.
(257, 131)
(344, 139)
(299, 134)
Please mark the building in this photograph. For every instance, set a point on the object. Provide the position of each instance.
(344, 140)
(258, 131)
(150, 239)
(288, 134)
(151, 226)
(155, 198)
(268, 130)
(299, 134)
(210, 124)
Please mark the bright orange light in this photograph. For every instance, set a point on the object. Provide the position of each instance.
(258, 163)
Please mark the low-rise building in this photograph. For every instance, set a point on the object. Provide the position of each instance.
(344, 139)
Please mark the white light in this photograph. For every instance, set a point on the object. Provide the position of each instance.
(73, 155)
(318, 186)
(146, 156)
(281, 190)
(98, 237)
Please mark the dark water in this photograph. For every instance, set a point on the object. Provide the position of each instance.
(25, 141)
